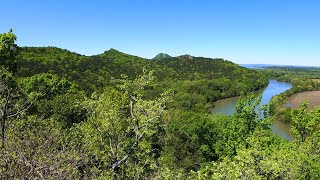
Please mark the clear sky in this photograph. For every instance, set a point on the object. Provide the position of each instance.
(243, 31)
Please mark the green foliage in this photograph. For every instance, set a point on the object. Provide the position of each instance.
(12, 102)
(54, 97)
(47, 86)
(194, 139)
(303, 123)
(162, 56)
(246, 110)
(302, 80)
(91, 73)
(7, 81)
(191, 139)
(8, 50)
(133, 128)
(66, 108)
(217, 78)
(266, 157)
(36, 149)
(119, 134)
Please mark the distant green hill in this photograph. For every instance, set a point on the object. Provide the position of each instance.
(218, 78)
(114, 54)
(186, 56)
(90, 72)
(161, 56)
(187, 66)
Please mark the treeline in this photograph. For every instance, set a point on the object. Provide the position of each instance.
(295, 72)
(196, 82)
(90, 73)
(118, 116)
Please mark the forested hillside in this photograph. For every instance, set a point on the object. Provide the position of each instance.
(195, 81)
(119, 116)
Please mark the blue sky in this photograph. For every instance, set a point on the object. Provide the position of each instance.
(243, 31)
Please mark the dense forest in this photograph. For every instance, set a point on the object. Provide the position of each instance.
(119, 116)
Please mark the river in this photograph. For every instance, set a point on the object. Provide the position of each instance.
(228, 106)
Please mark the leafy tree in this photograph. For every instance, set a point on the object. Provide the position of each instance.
(55, 97)
(311, 154)
(66, 108)
(8, 50)
(191, 139)
(12, 102)
(303, 123)
(246, 110)
(39, 149)
(118, 133)
(47, 86)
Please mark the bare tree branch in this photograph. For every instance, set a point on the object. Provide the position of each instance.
(137, 140)
(19, 112)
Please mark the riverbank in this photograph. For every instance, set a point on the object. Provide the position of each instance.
(228, 106)
(313, 97)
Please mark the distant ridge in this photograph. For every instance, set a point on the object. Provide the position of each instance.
(162, 56)
(115, 54)
(186, 56)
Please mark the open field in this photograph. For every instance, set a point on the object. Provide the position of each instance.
(312, 96)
